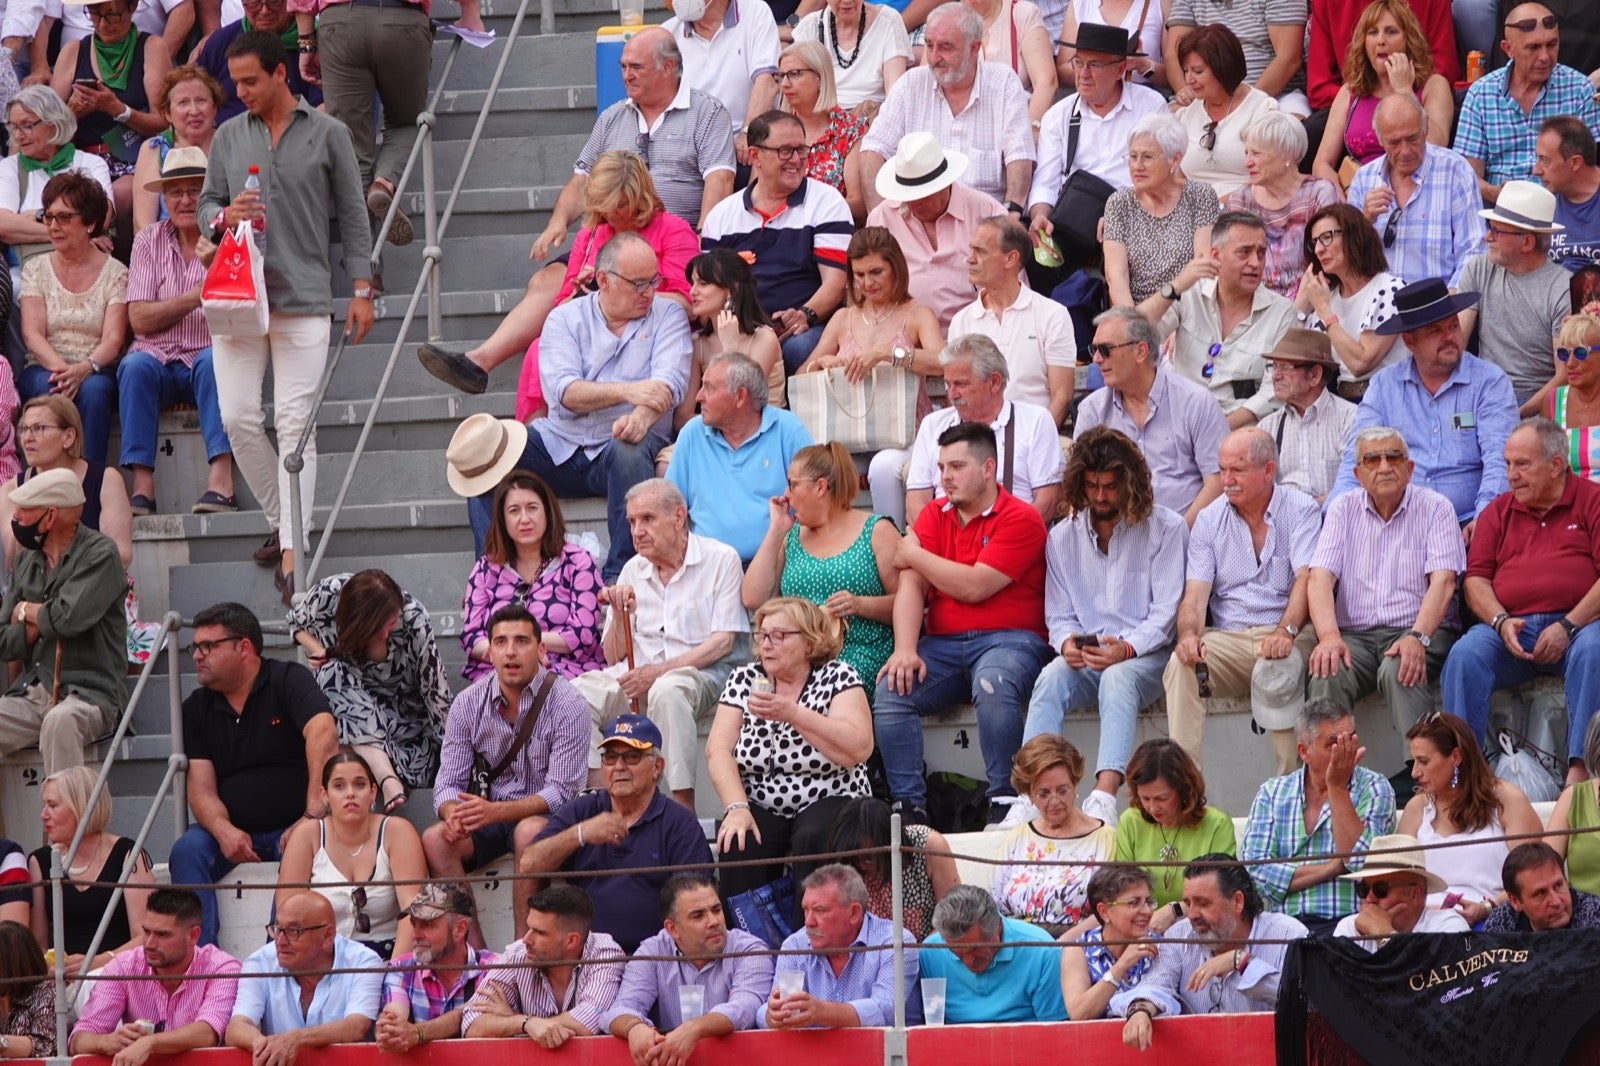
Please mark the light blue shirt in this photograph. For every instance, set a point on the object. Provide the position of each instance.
(1439, 227)
(867, 981)
(1130, 590)
(734, 987)
(1020, 985)
(577, 345)
(1256, 989)
(1457, 437)
(1251, 588)
(273, 1003)
(727, 489)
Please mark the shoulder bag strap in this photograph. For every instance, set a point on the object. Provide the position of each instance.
(1011, 449)
(525, 730)
(1073, 128)
(1013, 22)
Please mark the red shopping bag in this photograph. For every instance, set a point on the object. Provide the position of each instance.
(234, 295)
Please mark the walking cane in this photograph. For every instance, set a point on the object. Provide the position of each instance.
(625, 620)
(55, 683)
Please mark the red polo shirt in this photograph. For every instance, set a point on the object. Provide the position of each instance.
(1540, 564)
(1009, 536)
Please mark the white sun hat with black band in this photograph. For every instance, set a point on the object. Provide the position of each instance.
(1525, 205)
(919, 169)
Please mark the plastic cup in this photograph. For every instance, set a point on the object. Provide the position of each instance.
(691, 1002)
(789, 982)
(933, 1000)
(631, 13)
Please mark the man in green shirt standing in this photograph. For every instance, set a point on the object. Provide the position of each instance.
(64, 623)
(307, 175)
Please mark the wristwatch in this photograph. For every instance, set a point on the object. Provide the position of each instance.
(125, 114)
(900, 355)
(1293, 631)
(1423, 639)
(1016, 209)
(1566, 623)
(810, 313)
(362, 291)
(1168, 292)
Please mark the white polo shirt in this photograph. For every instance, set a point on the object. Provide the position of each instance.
(1035, 333)
(744, 46)
(1039, 463)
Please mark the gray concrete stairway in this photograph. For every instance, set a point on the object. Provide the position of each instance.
(400, 515)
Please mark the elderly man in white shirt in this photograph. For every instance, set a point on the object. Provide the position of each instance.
(682, 593)
(1028, 463)
(977, 108)
(1033, 332)
(1313, 426)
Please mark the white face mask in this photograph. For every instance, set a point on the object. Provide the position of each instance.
(690, 10)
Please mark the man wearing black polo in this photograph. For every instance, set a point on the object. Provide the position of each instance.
(257, 732)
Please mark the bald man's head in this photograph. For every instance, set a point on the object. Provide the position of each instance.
(1532, 41)
(304, 933)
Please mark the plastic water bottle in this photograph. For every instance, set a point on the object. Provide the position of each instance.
(253, 181)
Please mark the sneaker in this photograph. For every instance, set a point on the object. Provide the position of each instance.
(453, 368)
(909, 815)
(378, 201)
(1101, 805)
(1008, 811)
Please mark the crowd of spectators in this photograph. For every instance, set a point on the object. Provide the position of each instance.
(1334, 304)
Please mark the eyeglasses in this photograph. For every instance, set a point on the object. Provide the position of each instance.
(1494, 233)
(791, 75)
(1208, 136)
(180, 195)
(202, 648)
(262, 5)
(1549, 22)
(769, 637)
(1373, 460)
(55, 218)
(1209, 371)
(643, 147)
(1378, 889)
(1389, 230)
(627, 756)
(1325, 238)
(293, 933)
(1103, 351)
(640, 285)
(22, 129)
(785, 152)
(35, 429)
(1146, 902)
(107, 14)
(1094, 65)
(358, 900)
(1579, 353)
(1061, 794)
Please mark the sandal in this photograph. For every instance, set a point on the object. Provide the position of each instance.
(399, 800)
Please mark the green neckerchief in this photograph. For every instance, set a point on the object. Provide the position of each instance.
(116, 60)
(290, 37)
(54, 165)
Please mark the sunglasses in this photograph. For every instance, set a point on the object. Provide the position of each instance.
(358, 900)
(1579, 353)
(1373, 460)
(1208, 136)
(630, 757)
(642, 146)
(1378, 889)
(1103, 351)
(1209, 371)
(1390, 230)
(1549, 22)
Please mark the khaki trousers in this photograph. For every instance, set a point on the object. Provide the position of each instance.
(678, 701)
(1230, 656)
(62, 731)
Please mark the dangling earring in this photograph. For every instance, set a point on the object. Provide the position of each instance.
(1455, 775)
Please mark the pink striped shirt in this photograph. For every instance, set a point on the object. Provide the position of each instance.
(112, 1003)
(159, 272)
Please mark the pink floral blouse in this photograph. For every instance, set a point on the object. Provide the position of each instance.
(564, 600)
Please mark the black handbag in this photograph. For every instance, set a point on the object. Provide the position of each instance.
(1082, 201)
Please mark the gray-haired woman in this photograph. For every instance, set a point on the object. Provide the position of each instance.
(1163, 220)
(1281, 196)
(41, 129)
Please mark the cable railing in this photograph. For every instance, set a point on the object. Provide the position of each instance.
(434, 228)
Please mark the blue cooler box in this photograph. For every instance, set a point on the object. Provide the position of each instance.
(608, 42)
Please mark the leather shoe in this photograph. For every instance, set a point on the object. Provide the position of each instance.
(453, 368)
(270, 551)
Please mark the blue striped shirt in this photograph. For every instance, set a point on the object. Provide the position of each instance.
(867, 981)
(1457, 436)
(1496, 131)
(1439, 227)
(1251, 588)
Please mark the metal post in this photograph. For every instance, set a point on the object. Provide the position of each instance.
(430, 228)
(894, 1041)
(299, 540)
(58, 937)
(180, 793)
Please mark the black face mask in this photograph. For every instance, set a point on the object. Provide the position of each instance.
(29, 536)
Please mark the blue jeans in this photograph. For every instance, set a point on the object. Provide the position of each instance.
(96, 402)
(1119, 691)
(197, 859)
(993, 668)
(1479, 665)
(614, 470)
(797, 349)
(1477, 27)
(146, 386)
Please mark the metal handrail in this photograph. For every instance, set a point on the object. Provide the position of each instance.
(433, 252)
(171, 624)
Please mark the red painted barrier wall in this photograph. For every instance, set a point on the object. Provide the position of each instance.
(1223, 1040)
